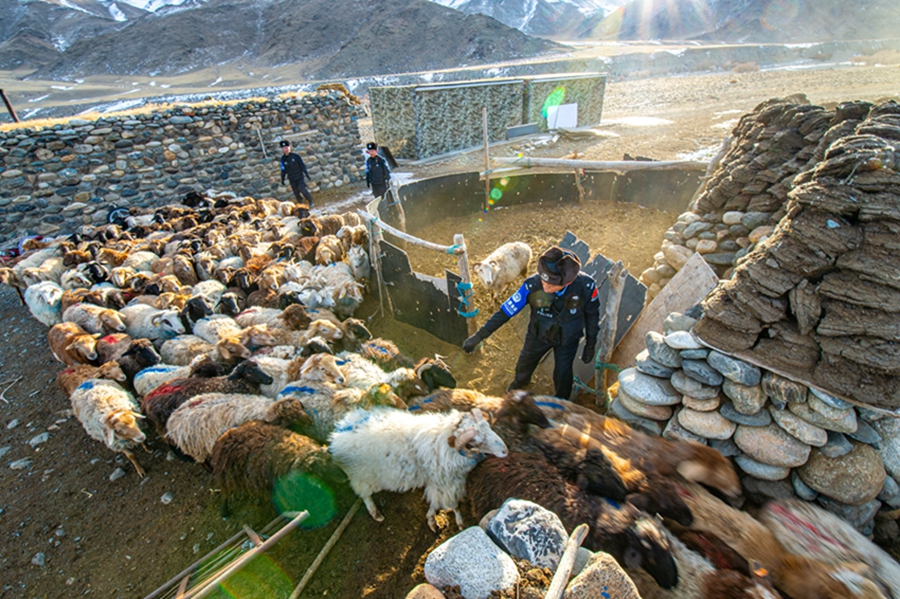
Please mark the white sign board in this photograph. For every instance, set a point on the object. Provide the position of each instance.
(564, 116)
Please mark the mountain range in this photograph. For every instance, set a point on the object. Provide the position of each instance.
(561, 19)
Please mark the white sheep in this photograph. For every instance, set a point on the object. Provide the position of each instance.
(195, 425)
(152, 377)
(94, 319)
(50, 270)
(142, 260)
(109, 414)
(180, 350)
(210, 289)
(362, 373)
(44, 301)
(317, 368)
(503, 266)
(393, 450)
(216, 327)
(74, 279)
(358, 259)
(146, 322)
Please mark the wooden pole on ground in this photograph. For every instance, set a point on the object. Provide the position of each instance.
(607, 165)
(322, 554)
(579, 186)
(12, 112)
(566, 563)
(462, 260)
(617, 276)
(487, 161)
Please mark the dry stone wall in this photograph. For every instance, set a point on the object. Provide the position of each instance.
(57, 178)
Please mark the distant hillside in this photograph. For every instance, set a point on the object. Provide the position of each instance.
(323, 38)
(559, 19)
(750, 20)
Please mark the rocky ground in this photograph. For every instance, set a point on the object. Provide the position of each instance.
(68, 530)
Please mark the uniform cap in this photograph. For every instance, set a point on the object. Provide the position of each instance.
(285, 143)
(371, 146)
(557, 266)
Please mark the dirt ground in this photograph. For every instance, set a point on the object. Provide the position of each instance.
(116, 538)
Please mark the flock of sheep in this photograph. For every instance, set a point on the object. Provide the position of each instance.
(226, 324)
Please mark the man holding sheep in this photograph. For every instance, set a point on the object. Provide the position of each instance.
(564, 307)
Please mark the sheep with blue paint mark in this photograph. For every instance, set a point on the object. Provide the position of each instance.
(393, 450)
(362, 374)
(44, 300)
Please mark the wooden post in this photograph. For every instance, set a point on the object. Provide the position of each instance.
(322, 554)
(603, 165)
(579, 186)
(617, 276)
(462, 260)
(12, 112)
(487, 162)
(375, 238)
(566, 563)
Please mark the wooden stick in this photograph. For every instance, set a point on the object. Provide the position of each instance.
(182, 587)
(406, 236)
(487, 161)
(208, 587)
(262, 144)
(462, 261)
(579, 186)
(9, 107)
(566, 563)
(617, 276)
(609, 165)
(322, 554)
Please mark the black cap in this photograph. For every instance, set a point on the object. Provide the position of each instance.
(371, 146)
(557, 266)
(285, 143)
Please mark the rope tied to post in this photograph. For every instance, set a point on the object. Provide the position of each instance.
(465, 294)
(455, 249)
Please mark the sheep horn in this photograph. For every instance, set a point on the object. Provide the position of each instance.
(463, 438)
(423, 368)
(476, 413)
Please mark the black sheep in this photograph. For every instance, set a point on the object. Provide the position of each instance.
(631, 536)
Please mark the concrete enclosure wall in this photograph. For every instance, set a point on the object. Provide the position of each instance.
(56, 179)
(427, 120)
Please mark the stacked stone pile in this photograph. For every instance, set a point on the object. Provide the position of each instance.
(746, 194)
(820, 298)
(57, 178)
(787, 439)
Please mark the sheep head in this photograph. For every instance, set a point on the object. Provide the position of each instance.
(257, 335)
(383, 395)
(250, 371)
(112, 320)
(647, 547)
(84, 347)
(325, 329)
(473, 436)
(168, 320)
(485, 272)
(322, 368)
(112, 371)
(123, 424)
(519, 407)
(435, 373)
(295, 317)
(143, 352)
(231, 348)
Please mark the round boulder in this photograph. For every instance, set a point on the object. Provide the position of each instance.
(799, 428)
(528, 531)
(771, 445)
(641, 409)
(853, 479)
(747, 400)
(602, 577)
(647, 389)
(659, 351)
(706, 424)
(760, 470)
(473, 562)
(734, 370)
(688, 386)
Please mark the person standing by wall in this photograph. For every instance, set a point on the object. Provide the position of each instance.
(293, 168)
(564, 307)
(378, 175)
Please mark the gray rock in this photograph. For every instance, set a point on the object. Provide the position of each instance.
(771, 445)
(39, 560)
(864, 433)
(827, 410)
(886, 532)
(720, 258)
(835, 402)
(694, 228)
(601, 577)
(847, 425)
(689, 386)
(751, 220)
(760, 418)
(527, 531)
(116, 474)
(702, 372)
(675, 432)
(747, 400)
(5, 450)
(799, 428)
(706, 424)
(647, 389)
(869, 415)
(694, 354)
(735, 370)
(726, 447)
(855, 478)
(890, 491)
(761, 490)
(424, 591)
(167, 498)
(644, 363)
(702, 405)
(21, 464)
(582, 557)
(38, 439)
(857, 515)
(641, 409)
(759, 470)
(651, 427)
(678, 322)
(782, 390)
(473, 562)
(682, 340)
(662, 353)
(836, 446)
(889, 429)
(802, 490)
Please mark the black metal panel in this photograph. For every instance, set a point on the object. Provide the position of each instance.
(440, 197)
(663, 190)
(420, 300)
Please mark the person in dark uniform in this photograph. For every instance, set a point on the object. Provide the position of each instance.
(378, 175)
(564, 307)
(293, 168)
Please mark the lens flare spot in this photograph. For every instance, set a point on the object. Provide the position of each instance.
(262, 577)
(496, 193)
(555, 98)
(298, 491)
(504, 182)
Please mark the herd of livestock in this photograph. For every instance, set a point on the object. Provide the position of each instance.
(226, 326)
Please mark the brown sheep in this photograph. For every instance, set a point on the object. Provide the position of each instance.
(183, 269)
(81, 296)
(70, 378)
(329, 250)
(71, 344)
(110, 257)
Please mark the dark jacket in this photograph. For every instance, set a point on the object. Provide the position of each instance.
(292, 167)
(559, 318)
(377, 171)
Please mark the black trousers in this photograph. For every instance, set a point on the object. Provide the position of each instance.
(299, 188)
(563, 357)
(379, 189)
